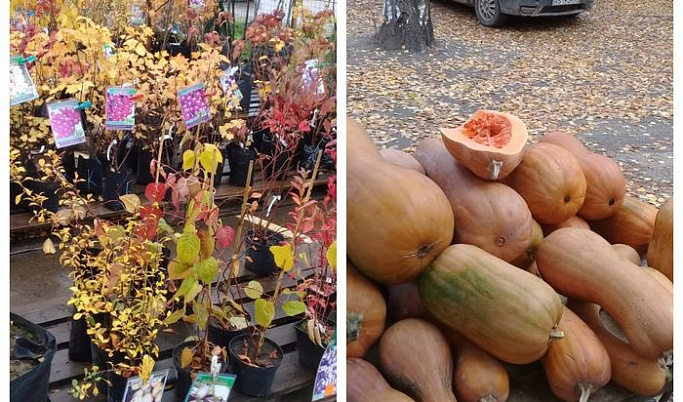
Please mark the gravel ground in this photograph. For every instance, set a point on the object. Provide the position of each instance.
(606, 76)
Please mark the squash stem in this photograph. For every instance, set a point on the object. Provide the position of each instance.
(586, 390)
(668, 358)
(353, 324)
(488, 398)
(494, 167)
(556, 333)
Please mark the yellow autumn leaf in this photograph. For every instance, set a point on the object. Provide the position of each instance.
(131, 202)
(49, 247)
(283, 256)
(146, 368)
(188, 159)
(332, 255)
(140, 49)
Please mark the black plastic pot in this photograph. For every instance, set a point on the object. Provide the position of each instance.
(33, 386)
(238, 160)
(90, 173)
(69, 164)
(280, 159)
(184, 379)
(245, 82)
(221, 336)
(310, 354)
(49, 190)
(259, 259)
(253, 381)
(144, 158)
(114, 392)
(79, 342)
(14, 191)
(116, 184)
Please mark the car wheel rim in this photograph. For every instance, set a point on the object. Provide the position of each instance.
(487, 9)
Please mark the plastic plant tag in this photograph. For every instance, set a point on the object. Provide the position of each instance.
(153, 391)
(311, 75)
(229, 87)
(65, 119)
(21, 87)
(326, 379)
(138, 14)
(205, 388)
(196, 4)
(120, 108)
(108, 50)
(193, 105)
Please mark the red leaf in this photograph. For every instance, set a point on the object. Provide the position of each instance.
(155, 192)
(225, 236)
(149, 210)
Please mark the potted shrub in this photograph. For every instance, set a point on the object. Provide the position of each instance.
(31, 353)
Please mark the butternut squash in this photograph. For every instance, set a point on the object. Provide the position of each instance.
(364, 383)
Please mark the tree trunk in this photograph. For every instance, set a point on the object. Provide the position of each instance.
(406, 23)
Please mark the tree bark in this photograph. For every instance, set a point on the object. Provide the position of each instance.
(407, 23)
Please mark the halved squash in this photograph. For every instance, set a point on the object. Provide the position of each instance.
(490, 144)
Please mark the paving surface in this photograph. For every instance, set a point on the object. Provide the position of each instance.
(606, 76)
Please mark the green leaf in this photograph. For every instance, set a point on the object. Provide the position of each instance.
(178, 270)
(293, 307)
(210, 158)
(188, 247)
(175, 316)
(283, 256)
(193, 292)
(165, 227)
(202, 313)
(238, 322)
(188, 159)
(265, 312)
(254, 290)
(186, 286)
(207, 269)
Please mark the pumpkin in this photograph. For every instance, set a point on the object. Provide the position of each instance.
(633, 223)
(364, 383)
(661, 278)
(506, 311)
(533, 269)
(403, 301)
(360, 142)
(398, 220)
(527, 258)
(416, 359)
(403, 159)
(660, 254)
(605, 182)
(365, 313)
(573, 222)
(627, 252)
(577, 365)
(490, 144)
(489, 215)
(478, 376)
(644, 376)
(582, 265)
(551, 181)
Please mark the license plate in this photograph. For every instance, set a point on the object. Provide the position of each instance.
(565, 2)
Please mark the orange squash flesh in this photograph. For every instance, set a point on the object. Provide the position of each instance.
(644, 376)
(469, 143)
(578, 364)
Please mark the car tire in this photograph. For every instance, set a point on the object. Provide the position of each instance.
(488, 13)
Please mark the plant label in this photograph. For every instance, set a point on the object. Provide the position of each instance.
(311, 76)
(206, 388)
(21, 87)
(152, 391)
(138, 14)
(229, 86)
(193, 105)
(65, 119)
(120, 108)
(196, 4)
(325, 384)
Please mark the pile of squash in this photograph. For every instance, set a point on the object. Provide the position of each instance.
(481, 250)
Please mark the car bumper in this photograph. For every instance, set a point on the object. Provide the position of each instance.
(542, 8)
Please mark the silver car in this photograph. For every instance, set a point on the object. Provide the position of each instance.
(493, 13)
